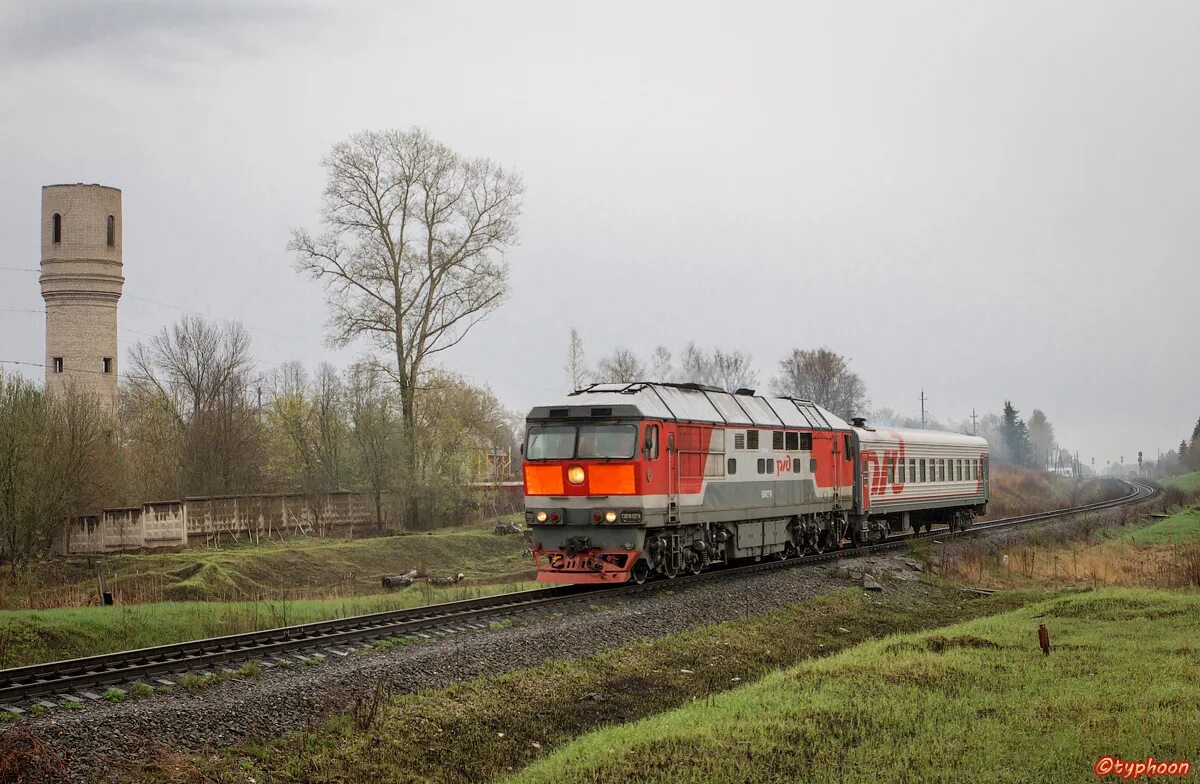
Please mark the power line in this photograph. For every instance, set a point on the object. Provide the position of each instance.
(222, 318)
(184, 310)
(19, 269)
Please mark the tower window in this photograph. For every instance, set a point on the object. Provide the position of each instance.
(108, 364)
(112, 232)
(57, 228)
(58, 363)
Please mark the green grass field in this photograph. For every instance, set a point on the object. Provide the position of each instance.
(1183, 526)
(1189, 483)
(31, 636)
(486, 728)
(971, 702)
(298, 568)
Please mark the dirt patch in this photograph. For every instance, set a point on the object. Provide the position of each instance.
(938, 644)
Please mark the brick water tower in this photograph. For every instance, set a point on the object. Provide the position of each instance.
(81, 284)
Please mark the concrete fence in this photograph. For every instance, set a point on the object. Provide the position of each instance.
(196, 520)
(193, 521)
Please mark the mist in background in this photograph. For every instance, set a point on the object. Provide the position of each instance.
(985, 201)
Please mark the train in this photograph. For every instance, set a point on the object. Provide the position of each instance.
(634, 481)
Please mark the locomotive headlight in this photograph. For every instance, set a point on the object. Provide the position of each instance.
(575, 475)
(610, 516)
(541, 517)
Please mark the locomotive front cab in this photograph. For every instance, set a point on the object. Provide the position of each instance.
(585, 486)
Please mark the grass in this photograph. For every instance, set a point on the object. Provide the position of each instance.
(973, 702)
(298, 568)
(1188, 483)
(486, 728)
(32, 636)
(1181, 527)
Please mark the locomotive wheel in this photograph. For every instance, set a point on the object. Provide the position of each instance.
(695, 565)
(639, 572)
(669, 570)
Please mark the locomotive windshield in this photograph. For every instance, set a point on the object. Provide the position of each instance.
(563, 442)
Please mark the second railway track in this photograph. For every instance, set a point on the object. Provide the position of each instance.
(21, 685)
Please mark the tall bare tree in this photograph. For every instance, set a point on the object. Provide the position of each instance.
(412, 252)
(824, 377)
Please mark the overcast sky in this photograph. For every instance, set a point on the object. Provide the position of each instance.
(984, 200)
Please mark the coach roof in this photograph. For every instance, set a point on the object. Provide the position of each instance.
(689, 403)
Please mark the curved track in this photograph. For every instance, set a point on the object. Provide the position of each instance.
(341, 636)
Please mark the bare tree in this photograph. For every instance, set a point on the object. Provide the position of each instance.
(733, 370)
(621, 366)
(728, 370)
(412, 255)
(200, 373)
(823, 377)
(576, 367)
(661, 367)
(374, 433)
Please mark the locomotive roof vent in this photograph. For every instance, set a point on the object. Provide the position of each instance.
(858, 421)
(602, 412)
(744, 391)
(558, 412)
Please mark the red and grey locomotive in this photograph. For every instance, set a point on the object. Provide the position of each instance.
(628, 481)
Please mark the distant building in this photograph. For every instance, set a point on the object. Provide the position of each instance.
(81, 284)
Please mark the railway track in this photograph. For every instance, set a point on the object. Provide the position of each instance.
(76, 680)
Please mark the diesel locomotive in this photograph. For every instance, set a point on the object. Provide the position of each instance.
(624, 482)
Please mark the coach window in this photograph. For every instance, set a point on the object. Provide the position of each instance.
(752, 439)
(777, 440)
(762, 466)
(912, 469)
(793, 441)
(922, 464)
(942, 469)
(731, 466)
(891, 468)
(958, 470)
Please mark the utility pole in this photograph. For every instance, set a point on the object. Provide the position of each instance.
(923, 399)
(973, 418)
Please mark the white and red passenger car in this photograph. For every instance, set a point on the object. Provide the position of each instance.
(626, 481)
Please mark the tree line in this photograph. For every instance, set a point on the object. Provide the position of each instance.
(411, 257)
(820, 375)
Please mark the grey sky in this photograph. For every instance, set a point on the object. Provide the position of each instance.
(985, 200)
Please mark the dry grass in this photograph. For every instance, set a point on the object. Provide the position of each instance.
(1111, 548)
(1018, 491)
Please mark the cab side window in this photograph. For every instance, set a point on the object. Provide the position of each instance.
(651, 444)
